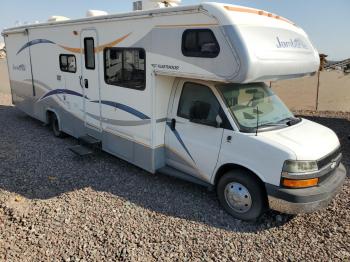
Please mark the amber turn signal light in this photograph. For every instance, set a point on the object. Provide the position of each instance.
(300, 183)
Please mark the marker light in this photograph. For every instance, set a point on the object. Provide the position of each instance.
(300, 183)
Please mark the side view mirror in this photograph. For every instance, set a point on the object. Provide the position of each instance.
(218, 121)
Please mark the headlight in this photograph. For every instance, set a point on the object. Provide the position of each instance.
(293, 166)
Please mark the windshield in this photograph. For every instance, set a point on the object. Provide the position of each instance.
(255, 105)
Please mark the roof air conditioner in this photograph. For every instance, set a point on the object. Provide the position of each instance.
(93, 13)
(154, 4)
(57, 18)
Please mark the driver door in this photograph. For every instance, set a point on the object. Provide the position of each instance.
(194, 133)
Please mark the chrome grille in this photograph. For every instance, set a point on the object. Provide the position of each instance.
(328, 159)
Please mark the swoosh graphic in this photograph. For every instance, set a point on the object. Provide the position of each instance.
(61, 91)
(111, 44)
(177, 135)
(72, 49)
(125, 108)
(98, 48)
(121, 122)
(35, 42)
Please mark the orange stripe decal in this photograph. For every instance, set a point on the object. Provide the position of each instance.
(71, 49)
(187, 25)
(111, 44)
(98, 48)
(256, 12)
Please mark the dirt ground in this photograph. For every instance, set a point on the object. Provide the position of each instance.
(300, 94)
(55, 206)
(4, 80)
(5, 97)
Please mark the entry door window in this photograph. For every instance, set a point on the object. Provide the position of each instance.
(89, 51)
(198, 104)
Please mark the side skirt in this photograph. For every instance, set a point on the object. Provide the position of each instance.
(170, 171)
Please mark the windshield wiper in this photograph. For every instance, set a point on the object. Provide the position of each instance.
(291, 121)
(274, 124)
(294, 121)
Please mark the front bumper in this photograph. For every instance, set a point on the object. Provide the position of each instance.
(306, 200)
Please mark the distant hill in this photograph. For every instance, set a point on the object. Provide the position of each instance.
(344, 65)
(329, 63)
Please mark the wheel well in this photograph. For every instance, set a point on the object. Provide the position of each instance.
(227, 167)
(49, 116)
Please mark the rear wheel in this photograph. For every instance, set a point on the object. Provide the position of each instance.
(242, 195)
(56, 126)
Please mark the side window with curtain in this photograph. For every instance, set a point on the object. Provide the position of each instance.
(68, 63)
(89, 51)
(125, 67)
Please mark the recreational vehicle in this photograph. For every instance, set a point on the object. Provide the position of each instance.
(181, 91)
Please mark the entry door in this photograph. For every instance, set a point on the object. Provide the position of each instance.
(90, 79)
(193, 139)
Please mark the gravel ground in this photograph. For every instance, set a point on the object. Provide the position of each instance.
(57, 207)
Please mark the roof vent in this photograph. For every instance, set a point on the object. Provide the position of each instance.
(154, 4)
(93, 13)
(57, 18)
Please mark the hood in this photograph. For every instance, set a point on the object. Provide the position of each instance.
(308, 140)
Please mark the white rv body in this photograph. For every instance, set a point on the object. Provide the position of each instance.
(134, 124)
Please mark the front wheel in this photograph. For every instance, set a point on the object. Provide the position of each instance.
(242, 195)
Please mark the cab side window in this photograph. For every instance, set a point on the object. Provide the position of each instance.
(198, 104)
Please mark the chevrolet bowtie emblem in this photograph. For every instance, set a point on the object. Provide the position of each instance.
(333, 165)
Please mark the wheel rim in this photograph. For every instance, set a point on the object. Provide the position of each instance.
(238, 197)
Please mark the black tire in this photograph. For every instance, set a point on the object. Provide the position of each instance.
(56, 126)
(257, 195)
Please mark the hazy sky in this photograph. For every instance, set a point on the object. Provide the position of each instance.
(326, 22)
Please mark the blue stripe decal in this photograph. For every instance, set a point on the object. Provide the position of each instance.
(61, 91)
(177, 135)
(35, 42)
(125, 108)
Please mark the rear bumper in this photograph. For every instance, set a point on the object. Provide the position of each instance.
(306, 200)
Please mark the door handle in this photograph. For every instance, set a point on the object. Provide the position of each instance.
(173, 124)
(81, 81)
(86, 83)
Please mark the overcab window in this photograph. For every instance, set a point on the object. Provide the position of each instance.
(125, 67)
(200, 43)
(68, 63)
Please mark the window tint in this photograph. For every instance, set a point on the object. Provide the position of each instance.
(89, 49)
(68, 63)
(125, 67)
(198, 103)
(200, 43)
